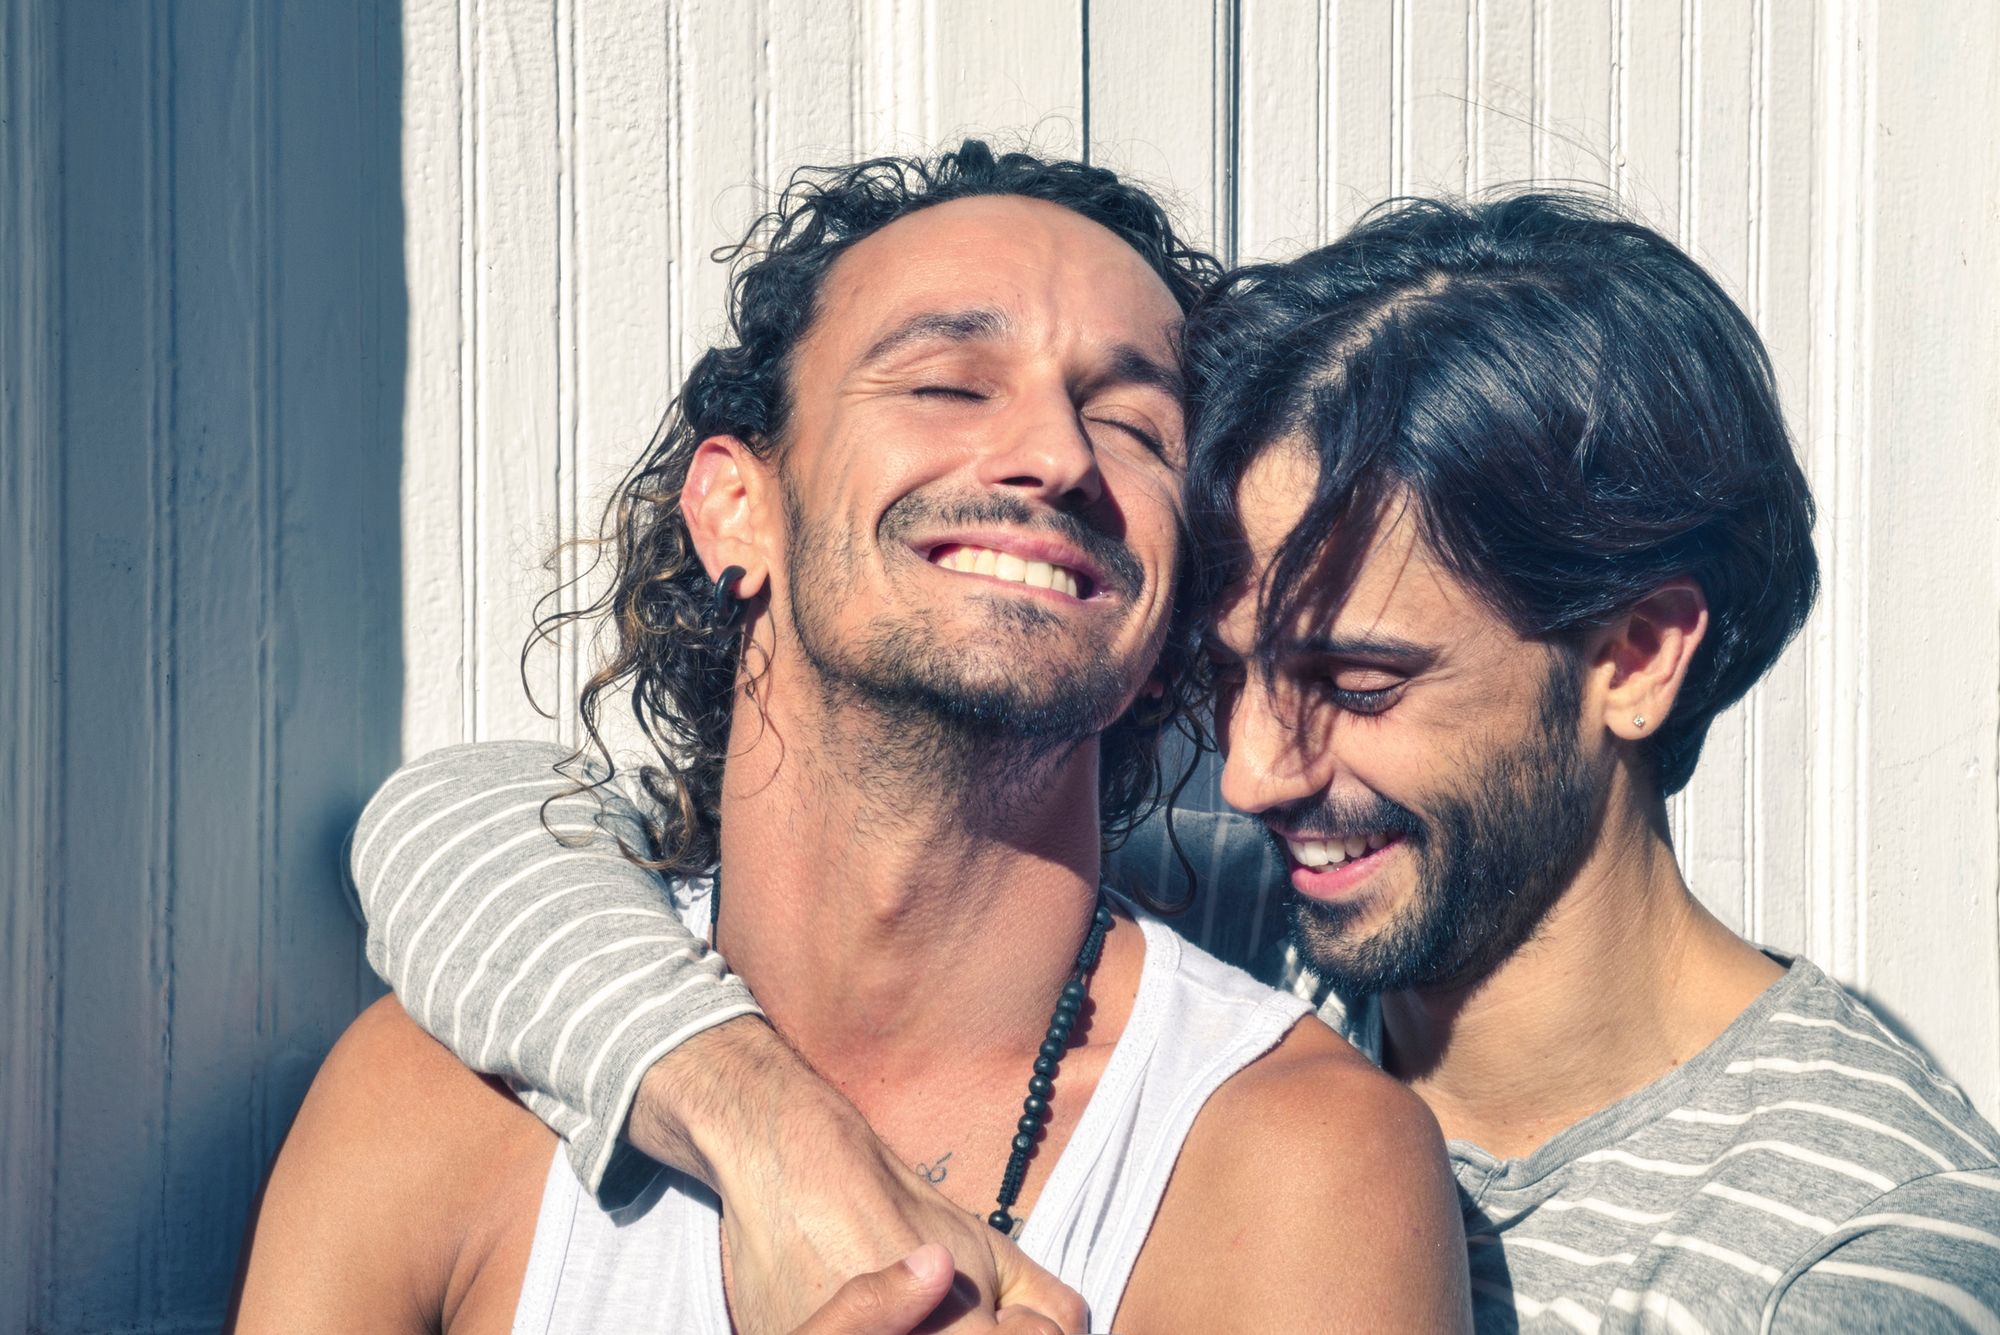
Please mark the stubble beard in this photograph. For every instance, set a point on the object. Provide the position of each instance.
(1492, 861)
(989, 717)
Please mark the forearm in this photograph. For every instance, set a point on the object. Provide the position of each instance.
(564, 969)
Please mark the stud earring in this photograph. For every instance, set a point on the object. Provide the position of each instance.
(1639, 721)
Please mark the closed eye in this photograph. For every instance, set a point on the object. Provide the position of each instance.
(948, 392)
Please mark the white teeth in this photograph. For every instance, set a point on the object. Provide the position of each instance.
(1002, 565)
(1333, 852)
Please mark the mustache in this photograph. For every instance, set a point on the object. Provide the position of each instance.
(917, 512)
(1341, 818)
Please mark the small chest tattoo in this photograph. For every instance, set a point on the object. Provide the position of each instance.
(935, 1171)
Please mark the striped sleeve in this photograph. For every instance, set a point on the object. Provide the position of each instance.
(1923, 1257)
(536, 953)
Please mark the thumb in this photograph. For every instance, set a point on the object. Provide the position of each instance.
(891, 1301)
(1025, 1285)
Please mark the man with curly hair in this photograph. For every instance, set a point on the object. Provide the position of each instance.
(943, 444)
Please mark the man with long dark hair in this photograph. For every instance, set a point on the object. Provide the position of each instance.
(943, 439)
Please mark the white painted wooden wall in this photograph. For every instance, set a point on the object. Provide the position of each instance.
(296, 405)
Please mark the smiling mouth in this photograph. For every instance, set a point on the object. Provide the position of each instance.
(967, 559)
(1316, 854)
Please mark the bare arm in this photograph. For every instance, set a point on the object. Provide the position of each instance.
(1312, 1194)
(404, 1197)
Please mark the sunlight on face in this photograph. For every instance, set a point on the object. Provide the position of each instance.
(982, 483)
(1415, 757)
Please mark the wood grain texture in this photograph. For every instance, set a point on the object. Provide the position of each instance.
(364, 309)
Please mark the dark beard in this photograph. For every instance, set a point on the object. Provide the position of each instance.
(953, 711)
(1491, 862)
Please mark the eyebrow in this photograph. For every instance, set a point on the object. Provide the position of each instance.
(1130, 366)
(1365, 648)
(968, 326)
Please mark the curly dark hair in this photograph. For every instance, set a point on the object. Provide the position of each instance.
(678, 661)
(1577, 410)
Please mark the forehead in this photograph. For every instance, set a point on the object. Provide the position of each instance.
(1401, 588)
(1050, 271)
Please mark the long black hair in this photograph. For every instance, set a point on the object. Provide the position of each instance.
(1575, 410)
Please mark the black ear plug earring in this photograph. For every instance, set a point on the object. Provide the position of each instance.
(727, 608)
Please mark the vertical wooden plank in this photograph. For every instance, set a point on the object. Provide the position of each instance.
(1366, 57)
(112, 849)
(1652, 102)
(1500, 41)
(1437, 97)
(333, 312)
(210, 770)
(29, 252)
(1163, 106)
(435, 126)
(1714, 834)
(517, 289)
(1782, 304)
(1014, 73)
(1929, 576)
(1578, 76)
(1282, 156)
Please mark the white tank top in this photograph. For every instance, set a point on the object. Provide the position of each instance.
(656, 1265)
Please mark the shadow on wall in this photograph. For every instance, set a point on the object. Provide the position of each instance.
(231, 305)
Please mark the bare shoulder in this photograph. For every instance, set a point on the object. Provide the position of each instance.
(404, 1176)
(1325, 1182)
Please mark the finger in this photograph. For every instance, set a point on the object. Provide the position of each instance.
(1027, 1321)
(890, 1301)
(1024, 1284)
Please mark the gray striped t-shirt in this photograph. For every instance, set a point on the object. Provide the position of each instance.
(1807, 1171)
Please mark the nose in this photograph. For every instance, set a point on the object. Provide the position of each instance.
(1042, 451)
(1271, 757)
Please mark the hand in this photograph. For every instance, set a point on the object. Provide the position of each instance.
(895, 1300)
(810, 1198)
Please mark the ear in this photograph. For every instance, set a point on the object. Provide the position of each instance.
(1643, 658)
(723, 501)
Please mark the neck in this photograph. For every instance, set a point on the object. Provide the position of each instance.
(943, 905)
(1627, 978)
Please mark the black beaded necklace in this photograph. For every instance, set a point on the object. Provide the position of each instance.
(1035, 1108)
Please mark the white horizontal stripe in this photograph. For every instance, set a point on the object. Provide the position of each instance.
(459, 835)
(1962, 1305)
(1608, 1210)
(1985, 1180)
(1818, 1110)
(470, 920)
(554, 991)
(1926, 1224)
(501, 938)
(632, 1017)
(603, 994)
(498, 853)
(1769, 1206)
(389, 858)
(1787, 1066)
(1816, 1022)
(382, 822)
(1557, 1250)
(1567, 1310)
(1715, 1252)
(1677, 1318)
(527, 968)
(628, 1091)
(1789, 1151)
